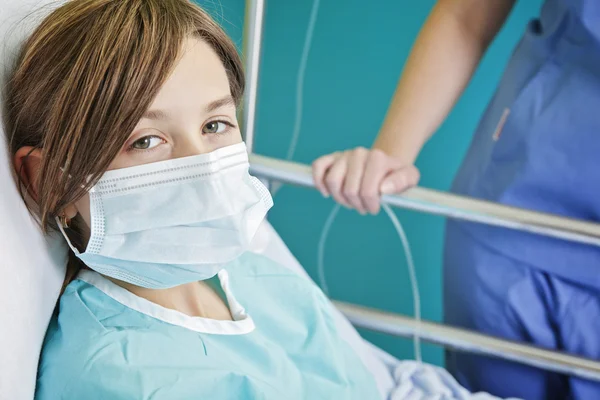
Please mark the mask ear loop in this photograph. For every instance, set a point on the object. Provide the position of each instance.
(63, 223)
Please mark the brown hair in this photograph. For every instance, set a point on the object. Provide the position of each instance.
(85, 77)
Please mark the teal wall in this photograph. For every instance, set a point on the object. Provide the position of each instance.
(358, 51)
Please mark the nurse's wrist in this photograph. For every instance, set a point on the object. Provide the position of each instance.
(404, 151)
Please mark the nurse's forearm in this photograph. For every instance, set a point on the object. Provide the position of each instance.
(444, 57)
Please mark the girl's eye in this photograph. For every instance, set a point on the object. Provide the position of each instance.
(146, 143)
(215, 127)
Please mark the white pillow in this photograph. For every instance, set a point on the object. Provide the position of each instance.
(31, 267)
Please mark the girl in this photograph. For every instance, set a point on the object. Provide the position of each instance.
(122, 121)
(123, 128)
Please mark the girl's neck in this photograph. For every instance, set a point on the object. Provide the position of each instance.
(196, 299)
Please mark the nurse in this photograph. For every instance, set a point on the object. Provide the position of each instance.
(537, 146)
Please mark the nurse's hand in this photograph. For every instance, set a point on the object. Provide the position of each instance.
(357, 178)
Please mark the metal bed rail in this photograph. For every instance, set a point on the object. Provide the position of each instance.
(468, 341)
(446, 204)
(469, 209)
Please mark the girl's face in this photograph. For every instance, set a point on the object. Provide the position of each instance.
(192, 114)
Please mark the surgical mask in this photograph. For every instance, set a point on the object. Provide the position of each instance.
(172, 222)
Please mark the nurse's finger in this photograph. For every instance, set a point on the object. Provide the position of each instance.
(335, 178)
(400, 180)
(356, 167)
(377, 167)
(319, 168)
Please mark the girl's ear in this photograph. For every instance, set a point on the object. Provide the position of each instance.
(27, 162)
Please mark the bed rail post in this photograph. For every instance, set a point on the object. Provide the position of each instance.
(253, 29)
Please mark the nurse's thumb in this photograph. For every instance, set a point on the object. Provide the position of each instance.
(399, 180)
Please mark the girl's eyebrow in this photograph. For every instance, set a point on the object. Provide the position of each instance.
(161, 115)
(222, 102)
(158, 115)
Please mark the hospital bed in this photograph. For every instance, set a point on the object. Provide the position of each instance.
(32, 266)
(430, 201)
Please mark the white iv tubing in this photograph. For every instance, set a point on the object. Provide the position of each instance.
(413, 278)
(290, 154)
(409, 260)
(300, 88)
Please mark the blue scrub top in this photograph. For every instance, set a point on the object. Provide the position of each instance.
(538, 143)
